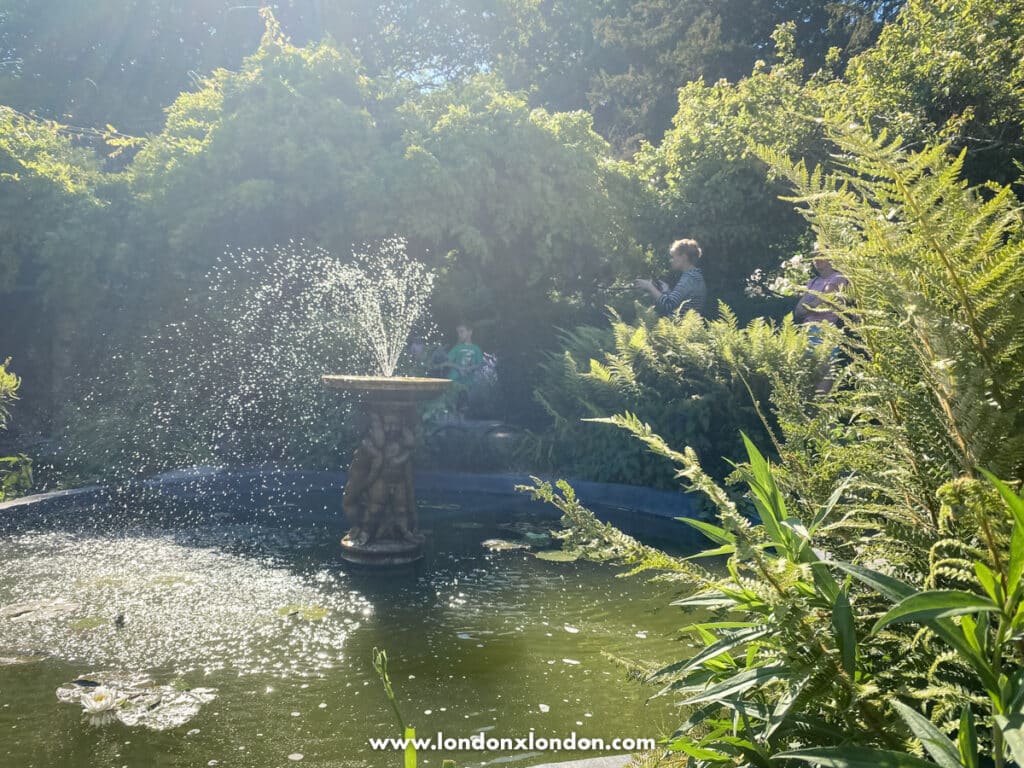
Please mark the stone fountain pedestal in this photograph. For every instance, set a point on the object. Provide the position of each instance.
(379, 499)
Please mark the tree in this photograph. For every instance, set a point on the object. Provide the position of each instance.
(954, 69)
(103, 62)
(117, 62)
(630, 58)
(58, 250)
(711, 187)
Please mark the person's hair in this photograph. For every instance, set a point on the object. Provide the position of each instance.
(690, 247)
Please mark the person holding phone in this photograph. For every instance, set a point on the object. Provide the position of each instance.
(689, 291)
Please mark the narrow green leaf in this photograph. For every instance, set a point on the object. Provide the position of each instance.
(766, 495)
(846, 635)
(1015, 692)
(716, 533)
(935, 604)
(894, 589)
(705, 600)
(697, 717)
(795, 525)
(967, 739)
(823, 578)
(722, 645)
(1016, 567)
(701, 753)
(410, 748)
(943, 751)
(783, 709)
(725, 549)
(855, 757)
(988, 581)
(744, 681)
(826, 510)
(970, 627)
(1018, 617)
(1013, 733)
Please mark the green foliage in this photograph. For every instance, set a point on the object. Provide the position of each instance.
(935, 269)
(801, 657)
(700, 382)
(946, 71)
(492, 193)
(380, 666)
(50, 189)
(626, 61)
(9, 384)
(986, 642)
(122, 62)
(711, 187)
(523, 211)
(952, 68)
(875, 607)
(237, 159)
(15, 471)
(780, 662)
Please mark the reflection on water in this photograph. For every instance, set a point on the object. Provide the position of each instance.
(479, 640)
(143, 602)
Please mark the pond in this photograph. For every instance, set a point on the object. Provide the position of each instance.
(239, 604)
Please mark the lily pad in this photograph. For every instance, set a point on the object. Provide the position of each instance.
(558, 555)
(135, 702)
(39, 610)
(504, 545)
(304, 612)
(171, 580)
(89, 622)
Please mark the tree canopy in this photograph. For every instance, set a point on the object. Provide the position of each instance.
(476, 133)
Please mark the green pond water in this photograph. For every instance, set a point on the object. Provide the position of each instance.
(259, 609)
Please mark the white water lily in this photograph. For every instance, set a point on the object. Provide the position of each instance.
(100, 719)
(99, 699)
(136, 702)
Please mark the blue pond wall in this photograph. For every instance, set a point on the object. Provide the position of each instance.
(647, 514)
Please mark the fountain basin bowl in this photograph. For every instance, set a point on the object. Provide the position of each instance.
(404, 389)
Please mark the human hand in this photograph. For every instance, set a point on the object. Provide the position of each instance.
(646, 285)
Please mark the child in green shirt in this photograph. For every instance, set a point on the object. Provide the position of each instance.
(465, 358)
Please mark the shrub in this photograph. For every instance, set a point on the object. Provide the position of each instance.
(700, 383)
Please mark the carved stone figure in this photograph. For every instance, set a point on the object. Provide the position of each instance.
(379, 497)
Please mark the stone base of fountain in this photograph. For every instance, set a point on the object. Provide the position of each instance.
(379, 499)
(380, 553)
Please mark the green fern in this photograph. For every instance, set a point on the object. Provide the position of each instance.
(937, 272)
(700, 382)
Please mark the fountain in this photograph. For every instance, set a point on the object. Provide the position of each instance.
(386, 294)
(202, 607)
